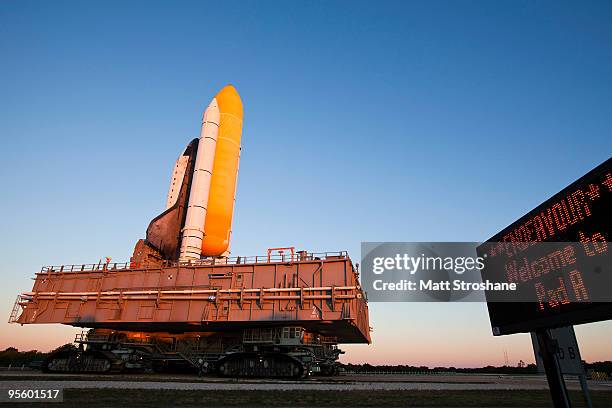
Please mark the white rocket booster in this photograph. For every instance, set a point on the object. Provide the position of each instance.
(193, 230)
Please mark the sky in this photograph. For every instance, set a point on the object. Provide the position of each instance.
(364, 121)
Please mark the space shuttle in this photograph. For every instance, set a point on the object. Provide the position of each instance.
(197, 221)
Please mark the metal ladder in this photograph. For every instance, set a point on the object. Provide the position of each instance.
(190, 357)
(15, 311)
(196, 358)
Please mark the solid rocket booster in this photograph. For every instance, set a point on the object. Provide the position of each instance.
(193, 229)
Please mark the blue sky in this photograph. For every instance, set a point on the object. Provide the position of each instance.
(386, 121)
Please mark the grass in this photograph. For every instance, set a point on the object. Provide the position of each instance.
(93, 398)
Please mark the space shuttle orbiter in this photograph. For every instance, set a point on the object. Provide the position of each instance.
(197, 221)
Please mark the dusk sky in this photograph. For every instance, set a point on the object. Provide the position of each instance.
(364, 121)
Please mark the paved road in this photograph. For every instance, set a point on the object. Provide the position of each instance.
(391, 382)
(265, 386)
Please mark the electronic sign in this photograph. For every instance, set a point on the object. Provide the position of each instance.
(558, 255)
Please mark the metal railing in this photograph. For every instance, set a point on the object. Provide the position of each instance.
(17, 367)
(277, 334)
(85, 267)
(215, 295)
(261, 335)
(300, 256)
(85, 337)
(329, 340)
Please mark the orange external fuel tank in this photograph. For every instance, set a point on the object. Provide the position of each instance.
(220, 209)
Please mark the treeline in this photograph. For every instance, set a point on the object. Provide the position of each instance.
(600, 366)
(15, 358)
(360, 368)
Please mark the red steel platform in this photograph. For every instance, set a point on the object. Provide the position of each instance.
(319, 292)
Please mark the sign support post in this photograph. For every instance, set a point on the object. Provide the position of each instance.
(556, 384)
(585, 391)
